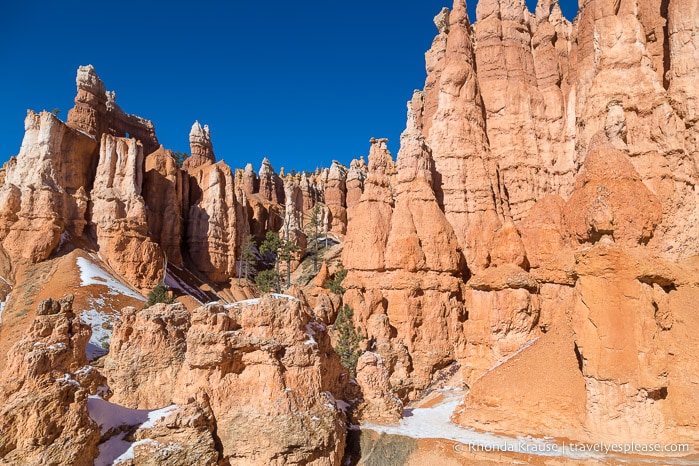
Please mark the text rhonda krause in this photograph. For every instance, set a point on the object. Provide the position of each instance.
(606, 448)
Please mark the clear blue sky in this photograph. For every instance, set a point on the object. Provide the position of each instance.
(302, 83)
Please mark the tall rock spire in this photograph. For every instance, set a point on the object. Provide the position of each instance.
(200, 146)
(458, 142)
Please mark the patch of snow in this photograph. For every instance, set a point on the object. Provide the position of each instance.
(158, 414)
(130, 453)
(247, 302)
(101, 324)
(85, 370)
(435, 423)
(244, 302)
(93, 274)
(174, 282)
(327, 240)
(109, 415)
(112, 449)
(311, 333)
(68, 379)
(3, 303)
(284, 296)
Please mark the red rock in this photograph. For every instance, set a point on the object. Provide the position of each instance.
(118, 212)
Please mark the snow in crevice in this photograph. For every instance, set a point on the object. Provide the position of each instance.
(311, 333)
(110, 416)
(247, 302)
(341, 405)
(174, 282)
(101, 325)
(3, 304)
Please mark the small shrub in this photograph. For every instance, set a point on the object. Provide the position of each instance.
(159, 294)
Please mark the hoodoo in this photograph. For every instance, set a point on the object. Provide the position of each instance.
(525, 272)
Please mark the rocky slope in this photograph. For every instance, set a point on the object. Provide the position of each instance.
(535, 241)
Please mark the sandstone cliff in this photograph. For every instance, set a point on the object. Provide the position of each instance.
(163, 355)
(536, 236)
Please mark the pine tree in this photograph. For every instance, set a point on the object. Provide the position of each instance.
(180, 157)
(159, 294)
(335, 285)
(267, 280)
(313, 231)
(273, 244)
(247, 257)
(349, 339)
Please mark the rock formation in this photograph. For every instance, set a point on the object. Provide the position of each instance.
(405, 265)
(613, 350)
(451, 120)
(164, 192)
(202, 151)
(212, 234)
(335, 191)
(536, 239)
(44, 390)
(222, 354)
(96, 113)
(118, 212)
(44, 194)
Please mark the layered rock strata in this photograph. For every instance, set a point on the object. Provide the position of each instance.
(222, 354)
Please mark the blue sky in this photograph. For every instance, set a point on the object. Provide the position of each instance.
(302, 83)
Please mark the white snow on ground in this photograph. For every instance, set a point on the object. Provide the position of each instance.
(247, 302)
(102, 310)
(311, 333)
(342, 405)
(93, 274)
(244, 302)
(284, 296)
(434, 423)
(110, 416)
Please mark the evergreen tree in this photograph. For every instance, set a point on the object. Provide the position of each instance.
(349, 339)
(313, 231)
(267, 280)
(273, 244)
(247, 257)
(335, 285)
(283, 250)
(159, 294)
(180, 157)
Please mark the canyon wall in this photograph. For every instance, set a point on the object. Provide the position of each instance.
(558, 168)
